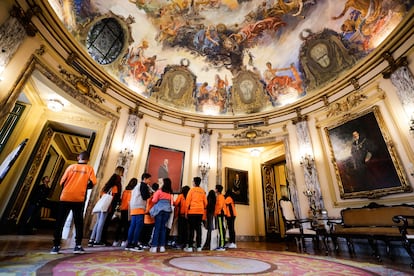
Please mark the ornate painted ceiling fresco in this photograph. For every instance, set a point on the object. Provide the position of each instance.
(229, 57)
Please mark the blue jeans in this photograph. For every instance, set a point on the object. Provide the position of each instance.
(98, 227)
(160, 230)
(135, 228)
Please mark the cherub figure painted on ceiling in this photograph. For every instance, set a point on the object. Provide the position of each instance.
(226, 37)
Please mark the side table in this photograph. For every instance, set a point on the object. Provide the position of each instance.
(320, 225)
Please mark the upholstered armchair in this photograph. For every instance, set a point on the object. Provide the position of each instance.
(296, 227)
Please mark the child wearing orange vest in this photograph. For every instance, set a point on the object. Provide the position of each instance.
(179, 214)
(219, 212)
(230, 218)
(149, 221)
(121, 233)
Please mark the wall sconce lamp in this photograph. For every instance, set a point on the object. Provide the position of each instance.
(124, 156)
(204, 169)
(126, 153)
(55, 105)
(310, 194)
(307, 162)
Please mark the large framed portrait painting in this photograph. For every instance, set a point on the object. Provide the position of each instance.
(237, 181)
(365, 161)
(165, 162)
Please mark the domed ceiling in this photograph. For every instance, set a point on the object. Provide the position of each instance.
(228, 57)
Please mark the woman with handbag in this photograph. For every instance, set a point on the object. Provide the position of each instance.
(113, 187)
(162, 209)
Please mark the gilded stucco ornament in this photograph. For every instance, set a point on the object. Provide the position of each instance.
(350, 102)
(251, 133)
(176, 87)
(248, 95)
(81, 84)
(323, 56)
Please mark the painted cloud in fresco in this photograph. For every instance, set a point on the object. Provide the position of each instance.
(215, 40)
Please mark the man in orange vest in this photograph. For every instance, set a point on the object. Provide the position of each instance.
(75, 182)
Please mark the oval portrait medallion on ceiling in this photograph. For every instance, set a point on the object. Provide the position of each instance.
(294, 47)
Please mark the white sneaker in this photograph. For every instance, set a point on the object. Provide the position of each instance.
(188, 249)
(154, 250)
(199, 249)
(116, 243)
(124, 244)
(232, 245)
(162, 249)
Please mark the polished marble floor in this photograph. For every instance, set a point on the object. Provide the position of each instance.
(19, 245)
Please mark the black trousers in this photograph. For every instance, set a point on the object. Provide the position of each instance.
(182, 230)
(230, 226)
(121, 233)
(63, 212)
(194, 223)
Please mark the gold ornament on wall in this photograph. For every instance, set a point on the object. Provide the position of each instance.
(248, 95)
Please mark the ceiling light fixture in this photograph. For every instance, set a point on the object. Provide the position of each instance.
(55, 105)
(255, 152)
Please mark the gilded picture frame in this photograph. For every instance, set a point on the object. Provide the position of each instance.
(238, 182)
(155, 161)
(365, 161)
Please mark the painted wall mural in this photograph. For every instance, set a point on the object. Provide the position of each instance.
(229, 57)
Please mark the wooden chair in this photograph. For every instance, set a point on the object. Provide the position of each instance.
(47, 218)
(407, 234)
(295, 226)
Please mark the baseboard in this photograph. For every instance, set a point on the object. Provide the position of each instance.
(251, 238)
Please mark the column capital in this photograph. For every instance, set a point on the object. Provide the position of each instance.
(393, 64)
(299, 117)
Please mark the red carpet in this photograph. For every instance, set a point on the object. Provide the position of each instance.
(231, 262)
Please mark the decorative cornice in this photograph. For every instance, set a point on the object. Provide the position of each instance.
(299, 117)
(205, 130)
(251, 133)
(346, 105)
(71, 58)
(325, 100)
(393, 64)
(135, 111)
(25, 17)
(41, 50)
(355, 83)
(82, 85)
(396, 42)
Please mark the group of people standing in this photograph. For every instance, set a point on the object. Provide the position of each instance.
(146, 212)
(215, 211)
